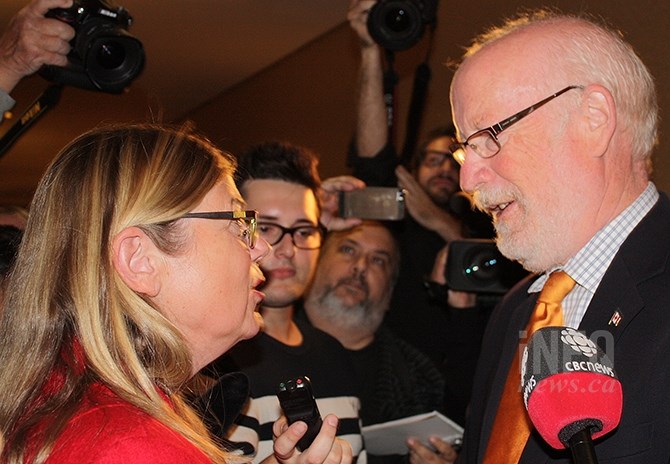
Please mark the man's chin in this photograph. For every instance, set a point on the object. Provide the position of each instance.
(279, 297)
(440, 197)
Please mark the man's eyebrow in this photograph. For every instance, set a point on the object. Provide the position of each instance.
(377, 251)
(296, 223)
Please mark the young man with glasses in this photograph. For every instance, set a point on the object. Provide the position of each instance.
(281, 182)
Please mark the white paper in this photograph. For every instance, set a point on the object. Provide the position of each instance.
(390, 437)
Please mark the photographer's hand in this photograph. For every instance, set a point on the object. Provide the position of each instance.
(358, 20)
(425, 211)
(330, 189)
(31, 40)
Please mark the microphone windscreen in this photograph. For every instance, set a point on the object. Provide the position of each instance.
(569, 384)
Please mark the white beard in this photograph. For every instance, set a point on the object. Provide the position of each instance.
(361, 316)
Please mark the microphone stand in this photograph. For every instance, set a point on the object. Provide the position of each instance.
(581, 446)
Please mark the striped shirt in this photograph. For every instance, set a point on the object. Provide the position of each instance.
(268, 362)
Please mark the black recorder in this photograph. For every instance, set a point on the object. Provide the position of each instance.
(297, 401)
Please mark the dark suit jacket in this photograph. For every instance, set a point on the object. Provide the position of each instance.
(637, 285)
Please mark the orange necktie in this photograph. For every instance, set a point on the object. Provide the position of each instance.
(512, 426)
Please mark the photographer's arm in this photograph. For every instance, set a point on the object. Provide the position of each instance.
(31, 40)
(371, 120)
(424, 210)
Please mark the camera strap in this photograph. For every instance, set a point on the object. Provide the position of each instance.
(390, 82)
(422, 76)
(40, 106)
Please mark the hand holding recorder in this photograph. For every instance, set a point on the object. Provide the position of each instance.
(301, 435)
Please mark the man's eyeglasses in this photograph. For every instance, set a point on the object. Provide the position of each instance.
(246, 220)
(485, 142)
(304, 237)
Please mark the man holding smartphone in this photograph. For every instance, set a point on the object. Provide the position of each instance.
(444, 325)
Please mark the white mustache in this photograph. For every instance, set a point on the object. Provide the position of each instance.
(489, 198)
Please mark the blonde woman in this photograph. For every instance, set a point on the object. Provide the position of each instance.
(139, 266)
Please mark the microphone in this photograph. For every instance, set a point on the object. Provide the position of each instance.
(570, 390)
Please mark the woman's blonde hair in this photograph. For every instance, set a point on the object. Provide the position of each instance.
(65, 294)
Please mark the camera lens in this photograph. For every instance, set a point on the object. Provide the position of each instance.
(110, 55)
(396, 20)
(114, 61)
(482, 265)
(476, 265)
(396, 24)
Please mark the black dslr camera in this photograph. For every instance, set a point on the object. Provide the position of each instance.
(399, 24)
(476, 265)
(104, 55)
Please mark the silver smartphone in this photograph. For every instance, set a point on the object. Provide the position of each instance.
(378, 203)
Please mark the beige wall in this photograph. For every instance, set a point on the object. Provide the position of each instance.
(308, 98)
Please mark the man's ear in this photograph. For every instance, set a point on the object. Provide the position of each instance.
(600, 118)
(136, 259)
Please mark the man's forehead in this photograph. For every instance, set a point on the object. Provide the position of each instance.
(520, 56)
(368, 237)
(494, 85)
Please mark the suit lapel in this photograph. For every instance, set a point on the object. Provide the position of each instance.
(618, 300)
(614, 305)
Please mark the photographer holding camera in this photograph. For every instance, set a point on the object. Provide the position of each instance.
(30, 41)
(445, 325)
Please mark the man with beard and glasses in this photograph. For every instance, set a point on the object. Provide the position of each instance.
(422, 310)
(348, 299)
